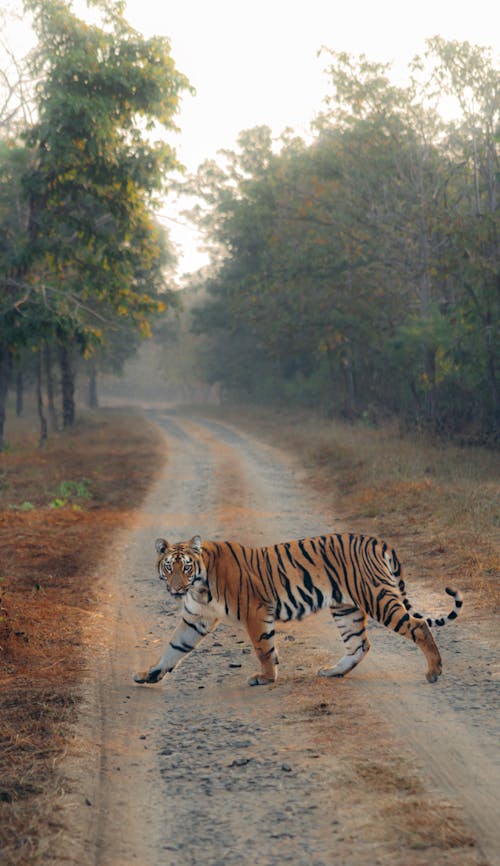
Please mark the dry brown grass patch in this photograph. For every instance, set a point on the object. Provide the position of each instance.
(382, 787)
(384, 778)
(422, 826)
(49, 551)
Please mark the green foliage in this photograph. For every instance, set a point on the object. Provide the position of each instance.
(65, 493)
(96, 170)
(25, 506)
(81, 254)
(361, 270)
(73, 490)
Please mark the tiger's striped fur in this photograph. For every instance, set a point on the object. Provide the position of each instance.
(356, 576)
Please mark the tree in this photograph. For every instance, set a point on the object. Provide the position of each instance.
(468, 74)
(362, 269)
(13, 293)
(91, 244)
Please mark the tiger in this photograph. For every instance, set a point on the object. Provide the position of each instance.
(355, 576)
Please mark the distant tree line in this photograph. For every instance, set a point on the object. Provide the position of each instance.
(82, 258)
(359, 272)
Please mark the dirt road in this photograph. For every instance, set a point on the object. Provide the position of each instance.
(201, 770)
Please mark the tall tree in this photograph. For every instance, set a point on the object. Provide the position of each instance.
(469, 75)
(105, 96)
(360, 267)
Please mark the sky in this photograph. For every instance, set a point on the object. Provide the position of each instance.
(257, 62)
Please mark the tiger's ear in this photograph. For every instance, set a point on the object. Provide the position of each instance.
(161, 545)
(195, 543)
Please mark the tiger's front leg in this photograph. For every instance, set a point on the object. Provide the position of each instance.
(188, 633)
(261, 631)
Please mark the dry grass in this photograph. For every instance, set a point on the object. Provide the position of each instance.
(437, 502)
(422, 826)
(420, 819)
(49, 549)
(383, 787)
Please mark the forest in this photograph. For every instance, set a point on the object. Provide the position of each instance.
(358, 272)
(355, 271)
(84, 264)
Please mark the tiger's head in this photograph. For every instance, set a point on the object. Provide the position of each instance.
(181, 565)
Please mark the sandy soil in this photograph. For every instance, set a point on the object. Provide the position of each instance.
(378, 768)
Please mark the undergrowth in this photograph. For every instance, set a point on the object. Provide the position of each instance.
(59, 509)
(436, 501)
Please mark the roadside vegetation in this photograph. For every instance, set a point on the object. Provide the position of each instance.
(60, 509)
(357, 271)
(85, 267)
(437, 502)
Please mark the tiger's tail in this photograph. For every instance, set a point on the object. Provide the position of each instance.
(394, 567)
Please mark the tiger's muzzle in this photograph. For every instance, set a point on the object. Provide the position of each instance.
(177, 582)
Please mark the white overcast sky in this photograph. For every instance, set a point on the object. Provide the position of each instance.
(255, 62)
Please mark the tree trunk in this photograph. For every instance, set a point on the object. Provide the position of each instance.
(430, 392)
(5, 373)
(491, 374)
(67, 385)
(39, 401)
(425, 311)
(350, 390)
(49, 384)
(92, 393)
(19, 393)
(486, 319)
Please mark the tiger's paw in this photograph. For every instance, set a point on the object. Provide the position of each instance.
(346, 663)
(432, 676)
(260, 680)
(152, 676)
(435, 670)
(331, 672)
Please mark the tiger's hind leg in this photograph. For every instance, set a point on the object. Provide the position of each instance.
(351, 622)
(416, 629)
